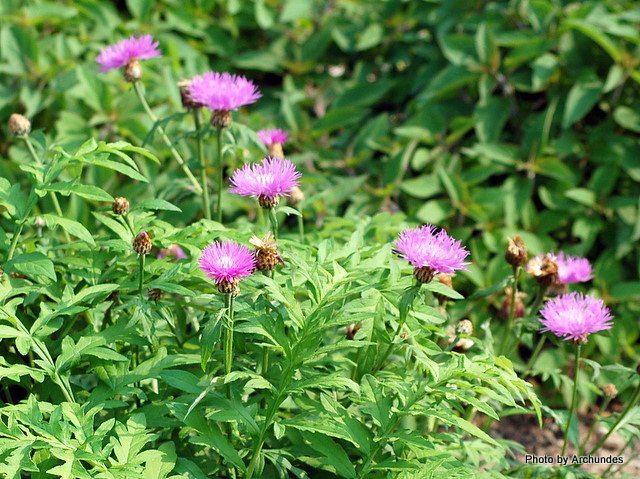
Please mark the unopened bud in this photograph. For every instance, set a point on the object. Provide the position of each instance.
(516, 254)
(19, 125)
(120, 206)
(267, 256)
(609, 390)
(296, 196)
(40, 222)
(142, 243)
(133, 71)
(221, 118)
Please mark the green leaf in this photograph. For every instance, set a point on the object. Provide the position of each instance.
(627, 118)
(90, 192)
(334, 456)
(155, 204)
(370, 37)
(70, 226)
(582, 96)
(32, 265)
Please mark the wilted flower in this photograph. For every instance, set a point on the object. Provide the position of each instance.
(19, 125)
(296, 196)
(544, 269)
(268, 181)
(267, 256)
(430, 252)
(516, 254)
(120, 206)
(227, 263)
(570, 269)
(221, 93)
(575, 316)
(142, 243)
(609, 390)
(126, 53)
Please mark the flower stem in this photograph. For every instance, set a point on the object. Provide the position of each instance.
(14, 240)
(301, 226)
(630, 405)
(574, 397)
(534, 357)
(512, 309)
(138, 89)
(220, 174)
(54, 197)
(273, 219)
(602, 408)
(206, 207)
(141, 274)
(228, 350)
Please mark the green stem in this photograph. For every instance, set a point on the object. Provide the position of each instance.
(534, 357)
(14, 240)
(574, 397)
(138, 89)
(301, 226)
(220, 174)
(512, 309)
(141, 274)
(602, 408)
(206, 207)
(54, 197)
(630, 405)
(273, 219)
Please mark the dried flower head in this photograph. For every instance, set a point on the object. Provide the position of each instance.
(268, 181)
(267, 256)
(516, 254)
(155, 294)
(40, 222)
(19, 125)
(187, 102)
(570, 269)
(126, 53)
(142, 243)
(461, 343)
(544, 269)
(574, 316)
(173, 250)
(222, 92)
(227, 263)
(120, 206)
(464, 327)
(430, 252)
(296, 196)
(351, 330)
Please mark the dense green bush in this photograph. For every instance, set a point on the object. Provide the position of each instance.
(487, 118)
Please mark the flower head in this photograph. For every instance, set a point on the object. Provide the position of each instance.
(570, 269)
(575, 316)
(227, 263)
(267, 181)
(222, 91)
(172, 250)
(430, 251)
(122, 53)
(269, 137)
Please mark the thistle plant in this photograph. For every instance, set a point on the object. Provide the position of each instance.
(221, 93)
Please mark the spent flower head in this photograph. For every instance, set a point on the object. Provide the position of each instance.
(430, 252)
(127, 52)
(222, 91)
(227, 263)
(574, 316)
(267, 181)
(570, 269)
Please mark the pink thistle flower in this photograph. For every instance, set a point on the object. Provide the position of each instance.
(172, 250)
(227, 263)
(571, 269)
(430, 252)
(574, 316)
(269, 137)
(120, 54)
(222, 91)
(268, 181)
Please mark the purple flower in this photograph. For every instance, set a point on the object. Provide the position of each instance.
(222, 91)
(172, 250)
(575, 316)
(431, 251)
(269, 137)
(227, 262)
(120, 54)
(268, 181)
(571, 269)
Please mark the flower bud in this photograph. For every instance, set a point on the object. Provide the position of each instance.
(40, 222)
(221, 118)
(142, 243)
(120, 206)
(609, 390)
(464, 327)
(516, 254)
(267, 256)
(296, 196)
(133, 71)
(19, 125)
(275, 150)
(155, 294)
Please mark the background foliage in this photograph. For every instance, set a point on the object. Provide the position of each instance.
(487, 118)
